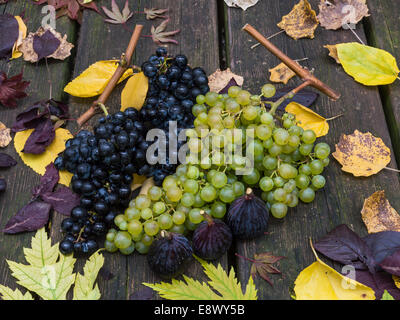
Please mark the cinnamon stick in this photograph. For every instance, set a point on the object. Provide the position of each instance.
(306, 75)
(123, 66)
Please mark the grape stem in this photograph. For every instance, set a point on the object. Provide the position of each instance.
(123, 66)
(305, 74)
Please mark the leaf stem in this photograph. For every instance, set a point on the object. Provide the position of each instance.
(391, 169)
(245, 258)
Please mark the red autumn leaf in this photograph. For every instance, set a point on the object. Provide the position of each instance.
(159, 34)
(12, 89)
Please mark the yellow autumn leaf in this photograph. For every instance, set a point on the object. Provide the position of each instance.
(396, 280)
(22, 35)
(361, 154)
(135, 91)
(39, 162)
(367, 65)
(378, 215)
(308, 119)
(94, 79)
(137, 181)
(321, 282)
(281, 73)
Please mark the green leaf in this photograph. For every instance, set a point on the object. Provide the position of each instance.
(367, 65)
(225, 284)
(9, 294)
(387, 296)
(84, 288)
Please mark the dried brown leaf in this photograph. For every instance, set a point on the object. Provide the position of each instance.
(220, 79)
(159, 34)
(334, 14)
(154, 13)
(115, 15)
(301, 22)
(333, 52)
(5, 137)
(243, 4)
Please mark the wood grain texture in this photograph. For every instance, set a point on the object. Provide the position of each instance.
(383, 28)
(342, 198)
(21, 179)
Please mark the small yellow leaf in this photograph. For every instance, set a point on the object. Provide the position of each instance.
(137, 181)
(301, 22)
(5, 136)
(308, 119)
(39, 162)
(367, 65)
(320, 282)
(9, 294)
(135, 91)
(21, 36)
(94, 79)
(378, 215)
(281, 73)
(362, 154)
(396, 280)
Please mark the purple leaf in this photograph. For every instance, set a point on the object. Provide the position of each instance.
(383, 244)
(30, 118)
(58, 109)
(345, 246)
(143, 294)
(45, 45)
(379, 282)
(39, 139)
(47, 182)
(63, 200)
(6, 161)
(305, 97)
(231, 83)
(8, 35)
(391, 264)
(31, 217)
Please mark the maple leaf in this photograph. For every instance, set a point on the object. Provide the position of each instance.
(12, 89)
(263, 265)
(154, 13)
(160, 36)
(115, 14)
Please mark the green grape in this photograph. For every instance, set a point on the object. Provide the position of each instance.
(193, 172)
(308, 136)
(191, 133)
(255, 100)
(307, 195)
(255, 147)
(305, 149)
(123, 225)
(174, 194)
(141, 247)
(129, 250)
(178, 217)
(270, 197)
(159, 207)
(200, 99)
(202, 118)
(252, 178)
(250, 113)
(290, 186)
(208, 193)
(281, 136)
(302, 181)
(267, 118)
(325, 162)
(178, 229)
(169, 181)
(275, 150)
(280, 194)
(318, 181)
(279, 210)
(268, 90)
(264, 196)
(188, 199)
(322, 150)
(111, 235)
(119, 219)
(151, 227)
(279, 182)
(219, 179)
(238, 188)
(268, 143)
(211, 98)
(270, 163)
(296, 131)
(227, 194)
(266, 184)
(146, 214)
(316, 167)
(234, 91)
(131, 213)
(286, 171)
(147, 240)
(138, 237)
(218, 209)
(286, 158)
(232, 106)
(122, 240)
(287, 149)
(287, 123)
(294, 141)
(110, 246)
(165, 221)
(189, 225)
(293, 201)
(155, 193)
(296, 155)
(135, 227)
(195, 145)
(305, 169)
(205, 163)
(142, 201)
(191, 186)
(243, 97)
(195, 216)
(238, 161)
(229, 122)
(218, 158)
(198, 201)
(231, 178)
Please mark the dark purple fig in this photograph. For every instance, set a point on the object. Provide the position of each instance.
(248, 216)
(211, 239)
(3, 185)
(169, 254)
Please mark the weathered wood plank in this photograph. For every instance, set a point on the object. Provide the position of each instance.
(383, 31)
(342, 198)
(21, 179)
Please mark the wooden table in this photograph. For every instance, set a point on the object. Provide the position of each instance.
(211, 37)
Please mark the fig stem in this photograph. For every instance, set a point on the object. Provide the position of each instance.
(165, 234)
(249, 191)
(207, 217)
